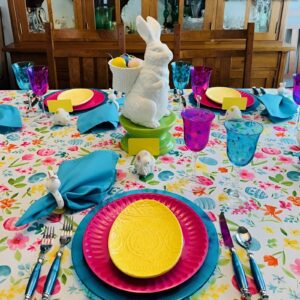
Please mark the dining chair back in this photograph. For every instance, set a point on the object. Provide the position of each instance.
(87, 66)
(221, 46)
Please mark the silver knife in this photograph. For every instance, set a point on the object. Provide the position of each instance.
(237, 265)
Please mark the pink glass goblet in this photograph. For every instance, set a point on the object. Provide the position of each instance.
(296, 96)
(38, 77)
(200, 77)
(196, 128)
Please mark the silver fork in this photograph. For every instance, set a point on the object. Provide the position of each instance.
(46, 245)
(64, 240)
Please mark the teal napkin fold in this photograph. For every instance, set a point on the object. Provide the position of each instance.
(104, 117)
(278, 107)
(10, 118)
(84, 183)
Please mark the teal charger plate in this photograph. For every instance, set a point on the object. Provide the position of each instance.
(97, 288)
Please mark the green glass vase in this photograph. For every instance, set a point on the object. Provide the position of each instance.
(104, 17)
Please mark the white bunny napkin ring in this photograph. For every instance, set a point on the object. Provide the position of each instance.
(53, 184)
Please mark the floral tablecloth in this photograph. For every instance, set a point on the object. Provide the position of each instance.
(271, 181)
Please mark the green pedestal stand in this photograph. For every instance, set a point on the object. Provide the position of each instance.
(166, 140)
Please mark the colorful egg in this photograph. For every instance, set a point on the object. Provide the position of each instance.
(126, 57)
(256, 193)
(119, 62)
(134, 63)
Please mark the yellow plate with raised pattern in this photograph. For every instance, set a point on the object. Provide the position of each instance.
(145, 240)
(77, 96)
(217, 94)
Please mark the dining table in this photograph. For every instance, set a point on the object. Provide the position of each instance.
(271, 183)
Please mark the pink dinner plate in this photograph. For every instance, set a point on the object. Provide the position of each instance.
(209, 103)
(95, 246)
(96, 100)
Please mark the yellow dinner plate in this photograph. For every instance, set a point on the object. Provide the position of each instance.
(217, 94)
(145, 240)
(77, 96)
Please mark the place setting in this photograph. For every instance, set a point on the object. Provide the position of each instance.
(175, 258)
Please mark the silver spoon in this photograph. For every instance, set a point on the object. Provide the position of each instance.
(244, 238)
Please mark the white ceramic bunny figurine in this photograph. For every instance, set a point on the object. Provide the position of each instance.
(233, 113)
(144, 163)
(61, 117)
(52, 184)
(112, 98)
(147, 101)
(281, 90)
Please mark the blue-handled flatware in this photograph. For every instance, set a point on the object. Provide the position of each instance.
(255, 91)
(237, 265)
(262, 90)
(244, 238)
(64, 240)
(46, 245)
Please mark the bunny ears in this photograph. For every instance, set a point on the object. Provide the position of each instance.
(149, 31)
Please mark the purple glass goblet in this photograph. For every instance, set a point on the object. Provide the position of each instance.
(200, 77)
(38, 77)
(196, 128)
(296, 95)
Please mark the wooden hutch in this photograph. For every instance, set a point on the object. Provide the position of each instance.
(71, 16)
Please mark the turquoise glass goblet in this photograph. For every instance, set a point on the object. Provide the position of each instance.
(242, 138)
(22, 79)
(181, 77)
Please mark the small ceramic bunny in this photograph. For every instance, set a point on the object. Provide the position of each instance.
(147, 101)
(113, 98)
(233, 113)
(144, 163)
(53, 184)
(61, 117)
(281, 90)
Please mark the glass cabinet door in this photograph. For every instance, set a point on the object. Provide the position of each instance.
(190, 13)
(197, 14)
(235, 14)
(260, 14)
(193, 14)
(37, 15)
(167, 14)
(63, 15)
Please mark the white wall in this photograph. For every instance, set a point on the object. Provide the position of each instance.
(6, 22)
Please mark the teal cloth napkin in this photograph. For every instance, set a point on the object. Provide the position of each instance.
(10, 118)
(84, 183)
(104, 117)
(278, 107)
